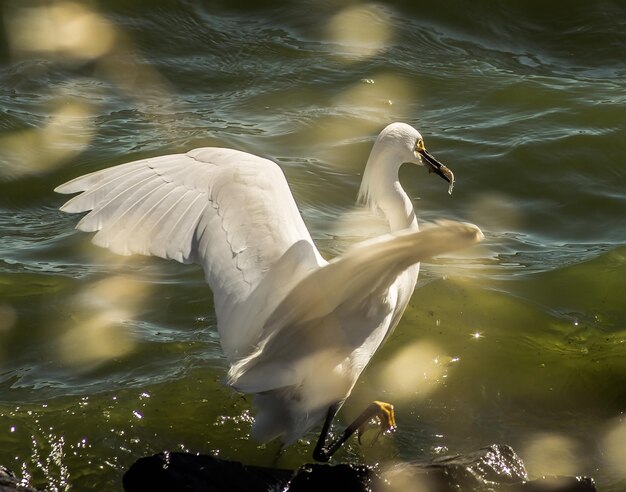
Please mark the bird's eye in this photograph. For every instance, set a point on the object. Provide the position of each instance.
(419, 145)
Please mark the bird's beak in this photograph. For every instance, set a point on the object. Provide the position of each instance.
(434, 166)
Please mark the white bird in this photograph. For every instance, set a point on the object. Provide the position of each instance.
(296, 329)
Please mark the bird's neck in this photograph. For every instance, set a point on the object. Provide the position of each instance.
(381, 189)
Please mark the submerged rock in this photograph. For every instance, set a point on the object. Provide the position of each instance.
(494, 468)
(490, 469)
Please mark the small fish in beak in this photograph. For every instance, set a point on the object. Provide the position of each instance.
(433, 165)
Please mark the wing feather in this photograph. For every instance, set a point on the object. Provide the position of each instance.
(369, 267)
(118, 208)
(140, 215)
(95, 180)
(229, 211)
(97, 194)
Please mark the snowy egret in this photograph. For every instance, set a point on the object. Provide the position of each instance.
(297, 330)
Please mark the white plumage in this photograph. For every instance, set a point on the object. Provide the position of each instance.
(297, 330)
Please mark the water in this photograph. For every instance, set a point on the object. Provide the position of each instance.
(521, 341)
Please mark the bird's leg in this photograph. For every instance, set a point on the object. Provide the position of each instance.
(320, 453)
(384, 412)
(280, 450)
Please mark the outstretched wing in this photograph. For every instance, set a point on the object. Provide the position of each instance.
(369, 267)
(229, 211)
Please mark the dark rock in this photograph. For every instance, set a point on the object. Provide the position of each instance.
(189, 472)
(496, 464)
(10, 483)
(492, 469)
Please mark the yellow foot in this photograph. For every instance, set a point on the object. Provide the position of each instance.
(386, 416)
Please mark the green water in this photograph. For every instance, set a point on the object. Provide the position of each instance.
(520, 341)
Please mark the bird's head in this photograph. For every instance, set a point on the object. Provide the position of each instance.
(409, 143)
(397, 144)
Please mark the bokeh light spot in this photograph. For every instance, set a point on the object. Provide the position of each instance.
(415, 371)
(551, 454)
(65, 29)
(614, 448)
(362, 31)
(100, 313)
